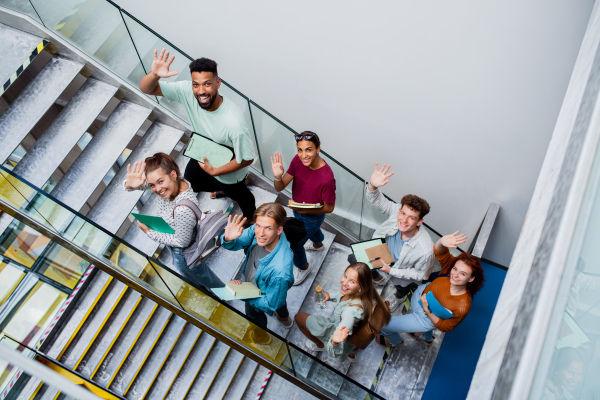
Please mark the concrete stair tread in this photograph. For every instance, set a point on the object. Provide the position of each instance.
(81, 310)
(243, 377)
(34, 101)
(29, 388)
(58, 139)
(227, 374)
(153, 364)
(125, 342)
(15, 48)
(210, 369)
(109, 334)
(277, 386)
(174, 364)
(94, 323)
(88, 170)
(191, 368)
(141, 350)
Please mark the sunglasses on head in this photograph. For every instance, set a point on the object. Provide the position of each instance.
(307, 136)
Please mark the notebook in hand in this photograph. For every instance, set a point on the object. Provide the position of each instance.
(200, 146)
(378, 253)
(244, 289)
(436, 308)
(359, 251)
(304, 205)
(153, 222)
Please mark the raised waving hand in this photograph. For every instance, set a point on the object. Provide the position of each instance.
(161, 64)
(380, 177)
(340, 335)
(235, 227)
(135, 175)
(453, 240)
(277, 166)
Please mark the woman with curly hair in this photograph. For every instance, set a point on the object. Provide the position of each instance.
(454, 292)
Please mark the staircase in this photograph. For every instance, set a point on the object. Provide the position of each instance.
(71, 127)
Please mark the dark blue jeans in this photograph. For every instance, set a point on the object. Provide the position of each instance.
(312, 224)
(259, 317)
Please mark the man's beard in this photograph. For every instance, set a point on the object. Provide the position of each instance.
(207, 105)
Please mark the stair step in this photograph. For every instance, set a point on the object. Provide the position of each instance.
(15, 48)
(115, 204)
(226, 376)
(174, 364)
(93, 324)
(256, 383)
(44, 157)
(109, 334)
(141, 350)
(34, 101)
(210, 369)
(30, 389)
(191, 368)
(239, 384)
(81, 310)
(81, 179)
(49, 393)
(154, 363)
(278, 385)
(127, 339)
(134, 235)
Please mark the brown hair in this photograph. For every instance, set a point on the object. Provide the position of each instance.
(416, 203)
(367, 294)
(272, 210)
(166, 163)
(476, 270)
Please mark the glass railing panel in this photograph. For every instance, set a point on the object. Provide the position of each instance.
(348, 199)
(10, 277)
(272, 136)
(37, 308)
(21, 6)
(62, 266)
(8, 372)
(58, 14)
(23, 244)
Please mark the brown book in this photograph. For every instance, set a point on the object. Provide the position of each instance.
(378, 253)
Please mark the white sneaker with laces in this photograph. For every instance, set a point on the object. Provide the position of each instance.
(395, 302)
(313, 347)
(313, 248)
(301, 274)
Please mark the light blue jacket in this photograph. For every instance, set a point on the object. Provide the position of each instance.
(274, 276)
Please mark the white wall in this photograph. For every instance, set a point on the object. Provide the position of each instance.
(460, 96)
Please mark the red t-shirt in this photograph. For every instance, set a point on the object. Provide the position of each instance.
(312, 185)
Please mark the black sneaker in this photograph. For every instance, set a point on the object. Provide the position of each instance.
(403, 291)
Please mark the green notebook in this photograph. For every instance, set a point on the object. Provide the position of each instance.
(155, 223)
(200, 146)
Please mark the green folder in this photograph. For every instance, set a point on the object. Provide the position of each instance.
(155, 223)
(200, 146)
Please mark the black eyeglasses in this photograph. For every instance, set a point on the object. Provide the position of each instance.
(306, 135)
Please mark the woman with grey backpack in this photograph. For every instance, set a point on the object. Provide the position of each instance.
(194, 230)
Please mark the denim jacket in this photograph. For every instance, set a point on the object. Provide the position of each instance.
(274, 276)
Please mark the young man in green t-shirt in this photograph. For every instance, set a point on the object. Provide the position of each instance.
(211, 115)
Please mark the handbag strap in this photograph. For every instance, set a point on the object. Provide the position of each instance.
(191, 205)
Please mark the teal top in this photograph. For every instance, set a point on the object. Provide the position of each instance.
(345, 314)
(226, 125)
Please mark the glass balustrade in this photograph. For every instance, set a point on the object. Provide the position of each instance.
(91, 243)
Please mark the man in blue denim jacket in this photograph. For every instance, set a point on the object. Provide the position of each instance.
(268, 263)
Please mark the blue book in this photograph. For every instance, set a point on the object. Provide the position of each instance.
(436, 308)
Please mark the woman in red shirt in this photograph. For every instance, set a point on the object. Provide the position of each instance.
(313, 183)
(454, 292)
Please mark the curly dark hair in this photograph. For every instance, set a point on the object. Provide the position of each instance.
(416, 203)
(476, 270)
(204, 65)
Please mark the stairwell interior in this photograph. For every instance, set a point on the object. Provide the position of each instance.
(71, 118)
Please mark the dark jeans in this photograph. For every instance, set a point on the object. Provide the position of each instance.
(260, 318)
(238, 192)
(312, 224)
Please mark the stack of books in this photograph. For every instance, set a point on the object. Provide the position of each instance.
(246, 289)
(304, 205)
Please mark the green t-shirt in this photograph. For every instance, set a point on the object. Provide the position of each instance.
(225, 125)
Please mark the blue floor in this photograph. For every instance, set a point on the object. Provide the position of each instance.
(456, 361)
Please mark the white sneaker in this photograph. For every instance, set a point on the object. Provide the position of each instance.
(301, 274)
(313, 347)
(395, 302)
(381, 282)
(313, 248)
